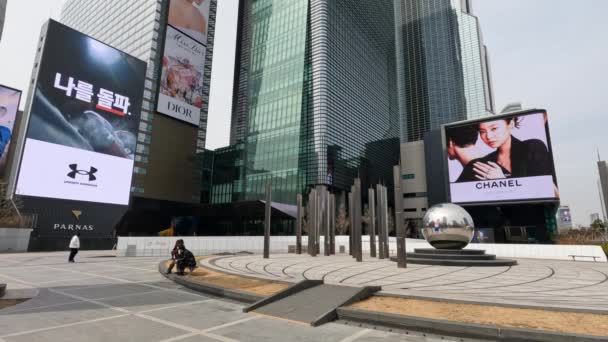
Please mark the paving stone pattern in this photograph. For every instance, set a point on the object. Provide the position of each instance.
(545, 283)
(125, 299)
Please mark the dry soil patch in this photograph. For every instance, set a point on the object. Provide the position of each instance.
(557, 321)
(234, 282)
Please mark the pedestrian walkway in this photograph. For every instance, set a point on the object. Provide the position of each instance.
(538, 283)
(103, 298)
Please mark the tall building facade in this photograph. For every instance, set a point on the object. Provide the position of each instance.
(443, 65)
(166, 166)
(315, 96)
(603, 185)
(3, 4)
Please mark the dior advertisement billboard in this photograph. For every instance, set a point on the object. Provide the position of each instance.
(501, 159)
(181, 81)
(83, 121)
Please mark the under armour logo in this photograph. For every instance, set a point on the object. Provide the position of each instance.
(75, 171)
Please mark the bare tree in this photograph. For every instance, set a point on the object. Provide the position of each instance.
(366, 219)
(391, 220)
(342, 221)
(10, 210)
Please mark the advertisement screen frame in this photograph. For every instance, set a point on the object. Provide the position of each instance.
(446, 127)
(25, 126)
(159, 69)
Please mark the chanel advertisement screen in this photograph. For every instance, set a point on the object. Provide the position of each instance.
(180, 92)
(503, 158)
(83, 121)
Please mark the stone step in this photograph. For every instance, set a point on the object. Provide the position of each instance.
(452, 256)
(466, 263)
(449, 251)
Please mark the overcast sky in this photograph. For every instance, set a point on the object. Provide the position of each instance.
(545, 53)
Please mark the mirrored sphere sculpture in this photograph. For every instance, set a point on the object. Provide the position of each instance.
(448, 226)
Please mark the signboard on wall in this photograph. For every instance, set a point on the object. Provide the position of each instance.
(501, 159)
(83, 121)
(180, 92)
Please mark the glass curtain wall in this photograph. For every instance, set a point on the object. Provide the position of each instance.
(277, 98)
(442, 66)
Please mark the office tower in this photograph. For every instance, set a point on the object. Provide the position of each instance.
(166, 167)
(3, 4)
(315, 95)
(443, 66)
(603, 185)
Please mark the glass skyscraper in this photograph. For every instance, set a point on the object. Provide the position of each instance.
(315, 96)
(137, 27)
(443, 66)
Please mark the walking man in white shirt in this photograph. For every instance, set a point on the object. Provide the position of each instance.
(74, 246)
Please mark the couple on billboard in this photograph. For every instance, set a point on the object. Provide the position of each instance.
(491, 150)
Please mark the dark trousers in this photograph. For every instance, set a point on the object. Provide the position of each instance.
(171, 265)
(73, 252)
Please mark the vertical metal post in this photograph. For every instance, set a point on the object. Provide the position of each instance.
(314, 223)
(379, 220)
(385, 212)
(332, 224)
(399, 226)
(267, 215)
(372, 223)
(326, 223)
(357, 206)
(319, 219)
(350, 218)
(299, 225)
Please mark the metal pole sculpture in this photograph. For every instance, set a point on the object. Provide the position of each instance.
(299, 226)
(382, 222)
(399, 227)
(357, 206)
(310, 222)
(332, 224)
(350, 226)
(315, 221)
(267, 213)
(319, 215)
(326, 223)
(385, 237)
(379, 220)
(372, 223)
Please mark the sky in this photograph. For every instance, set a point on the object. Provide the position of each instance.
(545, 53)
(552, 54)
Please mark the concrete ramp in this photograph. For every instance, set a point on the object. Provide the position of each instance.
(311, 302)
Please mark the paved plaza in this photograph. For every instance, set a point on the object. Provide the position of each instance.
(103, 298)
(541, 283)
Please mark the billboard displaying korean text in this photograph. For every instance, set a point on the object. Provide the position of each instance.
(83, 121)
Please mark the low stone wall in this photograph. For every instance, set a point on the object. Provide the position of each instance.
(14, 240)
(205, 245)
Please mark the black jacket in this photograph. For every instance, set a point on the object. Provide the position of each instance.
(529, 158)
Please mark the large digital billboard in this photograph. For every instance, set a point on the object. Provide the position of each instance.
(83, 120)
(501, 158)
(180, 92)
(9, 105)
